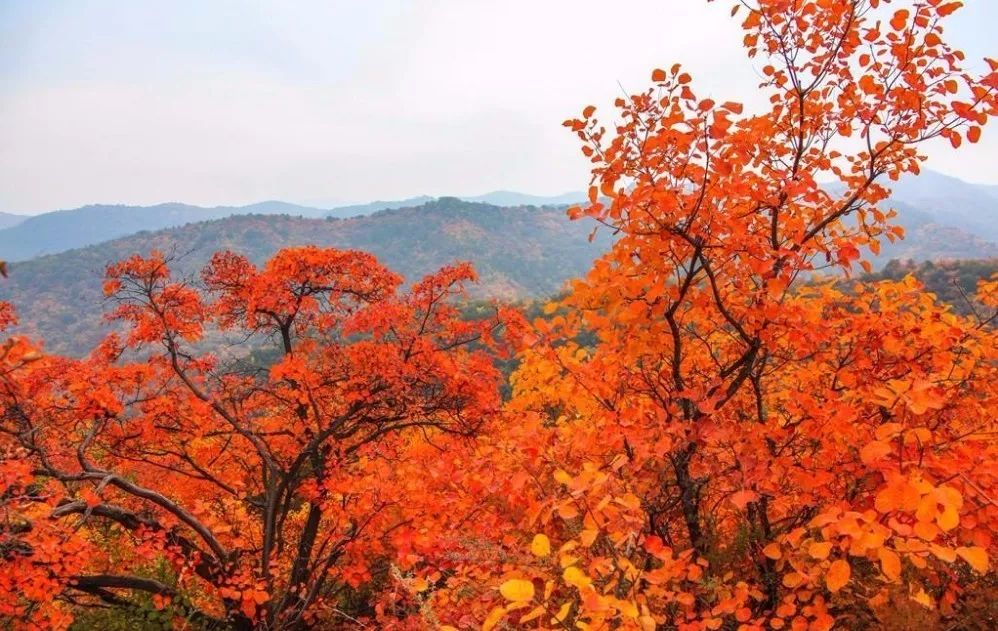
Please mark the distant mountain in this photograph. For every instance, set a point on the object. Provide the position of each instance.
(512, 198)
(973, 208)
(945, 218)
(518, 252)
(24, 237)
(524, 251)
(930, 238)
(496, 198)
(355, 210)
(62, 230)
(8, 220)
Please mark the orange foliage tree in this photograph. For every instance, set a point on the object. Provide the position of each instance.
(705, 435)
(269, 493)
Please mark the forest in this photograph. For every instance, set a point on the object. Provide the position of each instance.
(728, 422)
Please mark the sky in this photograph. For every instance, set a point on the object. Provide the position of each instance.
(341, 101)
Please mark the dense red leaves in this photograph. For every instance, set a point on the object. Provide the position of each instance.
(266, 490)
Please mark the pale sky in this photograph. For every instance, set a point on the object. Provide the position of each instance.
(335, 101)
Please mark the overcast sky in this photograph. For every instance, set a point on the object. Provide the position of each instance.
(334, 101)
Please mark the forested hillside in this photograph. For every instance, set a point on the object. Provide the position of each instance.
(518, 252)
(944, 217)
(953, 282)
(55, 232)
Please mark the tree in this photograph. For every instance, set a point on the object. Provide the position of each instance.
(270, 493)
(738, 448)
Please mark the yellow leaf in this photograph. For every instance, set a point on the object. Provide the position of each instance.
(568, 510)
(977, 557)
(943, 553)
(562, 612)
(517, 590)
(540, 546)
(647, 623)
(926, 530)
(493, 618)
(567, 559)
(924, 599)
(948, 496)
(838, 575)
(890, 563)
(927, 509)
(536, 612)
(419, 584)
(576, 577)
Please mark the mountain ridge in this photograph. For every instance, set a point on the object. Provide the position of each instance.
(966, 212)
(24, 237)
(518, 252)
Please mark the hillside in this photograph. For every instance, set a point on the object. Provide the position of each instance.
(62, 230)
(513, 198)
(9, 220)
(929, 238)
(945, 218)
(355, 210)
(519, 252)
(950, 201)
(23, 237)
(953, 282)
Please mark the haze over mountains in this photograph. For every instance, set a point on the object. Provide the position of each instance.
(523, 246)
(945, 217)
(24, 237)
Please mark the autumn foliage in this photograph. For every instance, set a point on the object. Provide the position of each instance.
(707, 432)
(263, 490)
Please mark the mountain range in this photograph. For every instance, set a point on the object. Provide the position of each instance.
(25, 237)
(518, 252)
(945, 217)
(522, 245)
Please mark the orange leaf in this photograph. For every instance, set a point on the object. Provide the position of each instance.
(873, 452)
(900, 19)
(772, 551)
(975, 556)
(838, 575)
(890, 563)
(820, 550)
